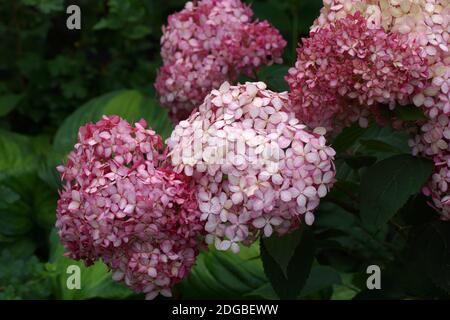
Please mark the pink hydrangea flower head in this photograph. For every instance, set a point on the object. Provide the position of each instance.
(433, 141)
(207, 43)
(437, 187)
(257, 168)
(119, 192)
(153, 267)
(346, 68)
(424, 22)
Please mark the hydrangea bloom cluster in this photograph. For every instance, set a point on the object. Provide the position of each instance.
(422, 28)
(257, 168)
(120, 204)
(424, 22)
(433, 141)
(207, 43)
(345, 69)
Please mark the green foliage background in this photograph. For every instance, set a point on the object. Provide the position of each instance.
(53, 80)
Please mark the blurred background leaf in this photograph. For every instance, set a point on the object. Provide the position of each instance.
(131, 105)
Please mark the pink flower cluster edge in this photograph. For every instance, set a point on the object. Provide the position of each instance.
(207, 43)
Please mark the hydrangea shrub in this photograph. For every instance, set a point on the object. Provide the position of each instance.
(247, 163)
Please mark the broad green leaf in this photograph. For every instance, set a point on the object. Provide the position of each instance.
(131, 105)
(344, 291)
(359, 161)
(15, 213)
(273, 76)
(289, 285)
(347, 138)
(383, 142)
(224, 275)
(274, 12)
(96, 281)
(387, 186)
(320, 278)
(16, 154)
(379, 145)
(281, 249)
(345, 242)
(46, 6)
(8, 103)
(44, 205)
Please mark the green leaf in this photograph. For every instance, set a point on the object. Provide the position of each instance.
(44, 206)
(383, 142)
(274, 12)
(224, 275)
(348, 137)
(378, 145)
(131, 105)
(360, 161)
(15, 216)
(409, 113)
(96, 281)
(16, 154)
(387, 186)
(139, 32)
(46, 6)
(283, 248)
(288, 285)
(273, 76)
(8, 103)
(106, 24)
(320, 278)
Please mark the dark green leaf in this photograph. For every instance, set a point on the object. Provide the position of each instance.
(224, 275)
(8, 103)
(320, 278)
(383, 142)
(347, 138)
(409, 113)
(15, 217)
(358, 162)
(298, 269)
(379, 145)
(386, 187)
(283, 248)
(16, 154)
(273, 76)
